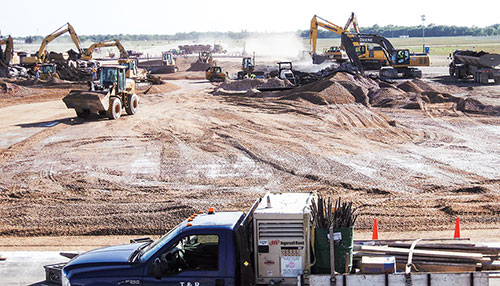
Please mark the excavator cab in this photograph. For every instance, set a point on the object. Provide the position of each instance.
(401, 57)
(167, 59)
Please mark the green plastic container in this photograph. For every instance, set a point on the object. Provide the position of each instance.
(342, 249)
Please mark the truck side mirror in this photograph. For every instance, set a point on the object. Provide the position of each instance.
(157, 273)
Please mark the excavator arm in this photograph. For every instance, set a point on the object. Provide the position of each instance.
(6, 55)
(87, 54)
(353, 20)
(42, 53)
(313, 31)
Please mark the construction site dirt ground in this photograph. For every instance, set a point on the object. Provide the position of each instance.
(187, 150)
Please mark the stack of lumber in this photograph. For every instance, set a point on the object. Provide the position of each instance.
(433, 255)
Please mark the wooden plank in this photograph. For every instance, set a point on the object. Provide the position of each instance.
(422, 258)
(438, 267)
(385, 241)
(450, 247)
(495, 265)
(419, 252)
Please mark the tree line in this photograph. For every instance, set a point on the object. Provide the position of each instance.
(386, 31)
(431, 30)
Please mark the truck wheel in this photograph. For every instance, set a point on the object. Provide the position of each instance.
(83, 114)
(115, 108)
(133, 103)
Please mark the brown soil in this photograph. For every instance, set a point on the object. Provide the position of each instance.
(188, 149)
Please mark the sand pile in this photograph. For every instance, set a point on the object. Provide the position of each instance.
(345, 88)
(241, 85)
(472, 105)
(322, 92)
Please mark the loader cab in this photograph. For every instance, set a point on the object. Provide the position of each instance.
(48, 68)
(111, 75)
(167, 59)
(248, 64)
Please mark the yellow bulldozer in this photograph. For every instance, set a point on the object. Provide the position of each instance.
(215, 74)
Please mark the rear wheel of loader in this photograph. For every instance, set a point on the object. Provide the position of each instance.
(83, 114)
(115, 108)
(132, 104)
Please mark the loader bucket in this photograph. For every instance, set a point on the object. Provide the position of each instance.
(94, 101)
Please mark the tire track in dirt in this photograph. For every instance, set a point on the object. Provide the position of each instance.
(13, 150)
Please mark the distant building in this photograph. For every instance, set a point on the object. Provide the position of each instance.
(404, 36)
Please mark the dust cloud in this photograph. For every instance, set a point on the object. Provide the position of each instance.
(285, 46)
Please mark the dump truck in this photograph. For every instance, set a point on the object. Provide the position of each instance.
(481, 66)
(107, 98)
(272, 244)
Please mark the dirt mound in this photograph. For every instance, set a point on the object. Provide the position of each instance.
(388, 97)
(424, 86)
(410, 86)
(322, 92)
(70, 73)
(241, 85)
(472, 105)
(7, 88)
(276, 83)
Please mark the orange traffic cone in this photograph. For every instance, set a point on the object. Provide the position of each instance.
(375, 229)
(457, 228)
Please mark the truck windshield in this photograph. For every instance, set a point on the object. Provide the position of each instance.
(158, 244)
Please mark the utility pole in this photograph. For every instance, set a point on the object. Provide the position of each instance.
(423, 33)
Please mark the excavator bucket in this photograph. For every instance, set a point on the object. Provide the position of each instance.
(93, 101)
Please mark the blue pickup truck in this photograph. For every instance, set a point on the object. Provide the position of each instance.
(208, 249)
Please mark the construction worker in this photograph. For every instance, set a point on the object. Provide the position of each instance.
(37, 71)
(94, 72)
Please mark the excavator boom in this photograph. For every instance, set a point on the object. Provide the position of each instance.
(87, 54)
(41, 54)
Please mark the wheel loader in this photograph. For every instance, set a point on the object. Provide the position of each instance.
(108, 98)
(48, 71)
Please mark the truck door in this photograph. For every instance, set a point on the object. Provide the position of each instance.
(196, 259)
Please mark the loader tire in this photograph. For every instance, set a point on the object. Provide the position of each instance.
(132, 104)
(115, 108)
(85, 114)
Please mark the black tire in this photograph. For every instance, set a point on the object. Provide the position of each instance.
(103, 114)
(132, 104)
(115, 108)
(85, 114)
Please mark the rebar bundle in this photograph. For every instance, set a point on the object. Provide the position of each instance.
(325, 215)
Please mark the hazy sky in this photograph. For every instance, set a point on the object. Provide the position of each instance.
(29, 17)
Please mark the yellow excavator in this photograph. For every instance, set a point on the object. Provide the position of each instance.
(41, 55)
(370, 57)
(132, 72)
(402, 63)
(87, 53)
